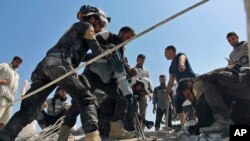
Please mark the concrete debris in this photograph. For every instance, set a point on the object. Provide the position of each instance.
(154, 136)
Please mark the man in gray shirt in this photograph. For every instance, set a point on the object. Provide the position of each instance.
(159, 103)
(239, 55)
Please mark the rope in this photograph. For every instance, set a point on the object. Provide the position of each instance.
(107, 52)
(139, 127)
(48, 131)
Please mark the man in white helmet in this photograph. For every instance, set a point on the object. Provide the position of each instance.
(60, 59)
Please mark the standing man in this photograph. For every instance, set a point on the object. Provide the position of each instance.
(178, 70)
(141, 72)
(239, 55)
(159, 103)
(59, 60)
(8, 87)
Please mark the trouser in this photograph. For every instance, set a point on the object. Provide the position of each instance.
(226, 84)
(5, 113)
(159, 114)
(132, 109)
(143, 105)
(105, 115)
(110, 89)
(47, 70)
(179, 98)
(204, 114)
(47, 120)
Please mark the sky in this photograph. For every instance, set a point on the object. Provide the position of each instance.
(28, 28)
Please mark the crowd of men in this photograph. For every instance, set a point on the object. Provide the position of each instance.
(204, 104)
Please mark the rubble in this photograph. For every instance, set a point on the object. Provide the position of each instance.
(153, 136)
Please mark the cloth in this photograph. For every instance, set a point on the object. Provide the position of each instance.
(26, 86)
(105, 68)
(47, 120)
(240, 54)
(159, 96)
(60, 106)
(111, 89)
(8, 72)
(143, 106)
(159, 114)
(178, 101)
(141, 72)
(174, 69)
(30, 129)
(5, 113)
(75, 43)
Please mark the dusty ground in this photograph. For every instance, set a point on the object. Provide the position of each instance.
(155, 136)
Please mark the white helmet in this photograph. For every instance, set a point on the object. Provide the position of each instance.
(147, 84)
(88, 10)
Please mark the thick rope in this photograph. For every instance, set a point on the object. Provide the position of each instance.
(107, 52)
(139, 127)
(48, 131)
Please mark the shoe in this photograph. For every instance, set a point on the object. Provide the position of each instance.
(118, 132)
(93, 136)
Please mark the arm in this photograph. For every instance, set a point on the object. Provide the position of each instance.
(170, 85)
(131, 71)
(3, 70)
(182, 61)
(5, 82)
(45, 105)
(231, 61)
(91, 41)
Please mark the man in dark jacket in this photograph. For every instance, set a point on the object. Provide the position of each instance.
(59, 60)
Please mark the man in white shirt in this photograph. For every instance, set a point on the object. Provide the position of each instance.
(141, 72)
(8, 87)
